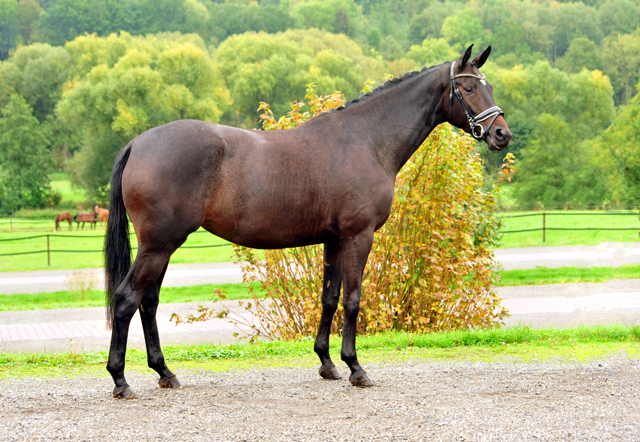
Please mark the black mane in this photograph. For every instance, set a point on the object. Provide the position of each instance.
(386, 85)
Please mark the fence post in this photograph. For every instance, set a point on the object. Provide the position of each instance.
(48, 252)
(544, 226)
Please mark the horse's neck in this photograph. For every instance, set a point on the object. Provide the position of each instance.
(396, 121)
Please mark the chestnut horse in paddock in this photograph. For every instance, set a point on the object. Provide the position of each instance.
(86, 217)
(329, 180)
(103, 215)
(64, 216)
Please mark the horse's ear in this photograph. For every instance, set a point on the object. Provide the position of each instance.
(465, 58)
(480, 59)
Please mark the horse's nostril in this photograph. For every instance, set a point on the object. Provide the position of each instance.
(499, 134)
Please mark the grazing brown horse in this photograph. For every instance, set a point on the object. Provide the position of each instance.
(86, 217)
(330, 180)
(64, 216)
(103, 215)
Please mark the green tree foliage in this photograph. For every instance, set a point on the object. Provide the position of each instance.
(559, 171)
(329, 15)
(64, 20)
(621, 57)
(428, 23)
(620, 155)
(463, 29)
(275, 67)
(431, 52)
(143, 83)
(24, 159)
(619, 17)
(43, 70)
(8, 27)
(228, 19)
(582, 53)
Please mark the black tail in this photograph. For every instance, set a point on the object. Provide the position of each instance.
(117, 248)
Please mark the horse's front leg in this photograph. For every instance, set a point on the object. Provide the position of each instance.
(330, 297)
(355, 251)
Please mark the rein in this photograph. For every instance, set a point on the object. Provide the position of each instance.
(477, 130)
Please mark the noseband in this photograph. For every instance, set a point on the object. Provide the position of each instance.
(477, 130)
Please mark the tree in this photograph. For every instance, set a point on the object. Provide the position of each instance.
(621, 56)
(154, 82)
(228, 19)
(275, 67)
(24, 159)
(556, 170)
(619, 16)
(27, 15)
(43, 71)
(619, 153)
(582, 53)
(8, 31)
(324, 14)
(431, 52)
(428, 23)
(463, 29)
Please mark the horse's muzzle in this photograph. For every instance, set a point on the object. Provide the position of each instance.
(499, 136)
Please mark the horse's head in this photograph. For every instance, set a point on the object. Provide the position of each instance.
(470, 103)
(96, 209)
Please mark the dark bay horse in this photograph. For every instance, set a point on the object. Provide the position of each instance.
(330, 180)
(64, 216)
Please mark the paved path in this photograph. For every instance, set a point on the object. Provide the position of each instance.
(559, 305)
(604, 255)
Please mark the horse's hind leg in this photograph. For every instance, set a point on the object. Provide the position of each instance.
(330, 297)
(144, 273)
(155, 358)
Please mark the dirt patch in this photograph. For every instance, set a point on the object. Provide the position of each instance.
(411, 401)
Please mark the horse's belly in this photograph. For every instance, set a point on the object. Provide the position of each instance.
(271, 229)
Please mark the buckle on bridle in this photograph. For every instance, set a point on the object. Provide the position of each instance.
(477, 130)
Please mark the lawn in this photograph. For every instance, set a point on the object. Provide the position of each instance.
(518, 343)
(96, 298)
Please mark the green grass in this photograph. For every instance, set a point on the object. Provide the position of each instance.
(72, 197)
(514, 343)
(568, 219)
(564, 275)
(95, 298)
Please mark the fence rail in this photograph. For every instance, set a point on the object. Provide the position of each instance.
(49, 250)
(544, 227)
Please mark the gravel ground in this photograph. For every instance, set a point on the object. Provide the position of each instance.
(498, 401)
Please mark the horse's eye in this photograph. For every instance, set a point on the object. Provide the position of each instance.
(468, 90)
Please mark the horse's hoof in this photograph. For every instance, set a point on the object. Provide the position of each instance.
(361, 381)
(125, 392)
(331, 373)
(169, 382)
